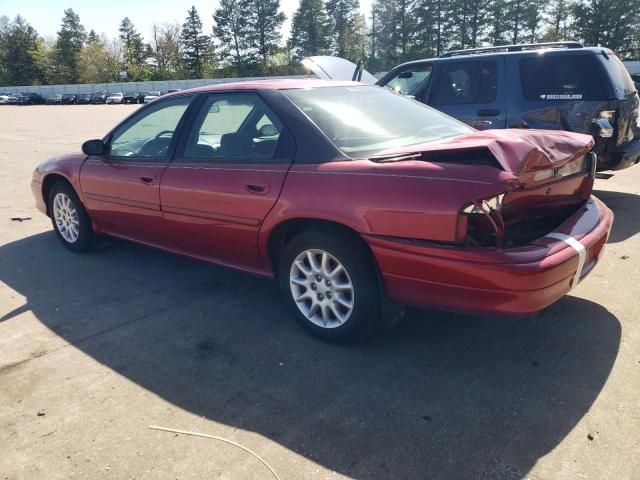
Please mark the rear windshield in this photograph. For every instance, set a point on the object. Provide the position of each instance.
(622, 82)
(560, 77)
(365, 120)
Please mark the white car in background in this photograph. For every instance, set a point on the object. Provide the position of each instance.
(115, 98)
(152, 96)
(4, 98)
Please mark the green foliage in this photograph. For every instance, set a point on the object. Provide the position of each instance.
(96, 64)
(21, 53)
(63, 67)
(248, 40)
(264, 20)
(133, 50)
(310, 30)
(612, 23)
(232, 33)
(196, 47)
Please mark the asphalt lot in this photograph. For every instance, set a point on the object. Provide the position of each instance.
(96, 348)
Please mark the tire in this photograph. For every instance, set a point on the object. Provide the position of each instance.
(69, 218)
(331, 319)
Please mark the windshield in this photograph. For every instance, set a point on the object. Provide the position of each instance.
(364, 120)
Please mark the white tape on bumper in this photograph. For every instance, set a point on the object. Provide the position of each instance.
(578, 247)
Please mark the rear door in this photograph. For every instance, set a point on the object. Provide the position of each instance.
(225, 178)
(472, 91)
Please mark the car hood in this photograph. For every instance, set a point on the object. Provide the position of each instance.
(517, 151)
(335, 68)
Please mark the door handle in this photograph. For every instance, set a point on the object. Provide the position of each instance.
(488, 112)
(258, 188)
(148, 180)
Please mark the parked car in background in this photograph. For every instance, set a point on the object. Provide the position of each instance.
(13, 99)
(115, 98)
(347, 193)
(83, 98)
(99, 97)
(29, 98)
(68, 99)
(151, 96)
(558, 86)
(130, 97)
(140, 97)
(173, 90)
(55, 99)
(4, 98)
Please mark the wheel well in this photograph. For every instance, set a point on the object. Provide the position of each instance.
(285, 231)
(48, 183)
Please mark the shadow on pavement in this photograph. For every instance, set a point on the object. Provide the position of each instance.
(626, 208)
(443, 396)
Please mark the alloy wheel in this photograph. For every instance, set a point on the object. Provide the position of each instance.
(322, 288)
(66, 217)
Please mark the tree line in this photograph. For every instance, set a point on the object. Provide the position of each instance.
(246, 38)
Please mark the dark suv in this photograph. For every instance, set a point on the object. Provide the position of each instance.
(562, 86)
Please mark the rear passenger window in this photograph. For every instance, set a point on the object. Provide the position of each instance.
(466, 83)
(233, 126)
(560, 77)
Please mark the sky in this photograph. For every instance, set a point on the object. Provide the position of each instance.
(105, 16)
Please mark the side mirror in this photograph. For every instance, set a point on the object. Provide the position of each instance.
(94, 147)
(267, 130)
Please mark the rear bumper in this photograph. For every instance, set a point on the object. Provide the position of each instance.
(626, 157)
(489, 280)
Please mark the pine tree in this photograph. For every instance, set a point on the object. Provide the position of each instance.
(264, 21)
(609, 23)
(133, 51)
(196, 47)
(559, 20)
(20, 52)
(344, 16)
(310, 30)
(230, 29)
(69, 42)
(92, 37)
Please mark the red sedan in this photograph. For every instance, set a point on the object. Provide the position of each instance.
(354, 197)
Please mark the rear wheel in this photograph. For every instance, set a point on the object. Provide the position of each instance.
(329, 280)
(70, 221)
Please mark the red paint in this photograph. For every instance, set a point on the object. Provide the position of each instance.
(407, 212)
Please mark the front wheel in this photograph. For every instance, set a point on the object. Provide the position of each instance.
(70, 221)
(328, 278)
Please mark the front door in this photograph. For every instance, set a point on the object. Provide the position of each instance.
(225, 178)
(122, 189)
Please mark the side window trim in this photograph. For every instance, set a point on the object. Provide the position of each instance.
(137, 115)
(285, 147)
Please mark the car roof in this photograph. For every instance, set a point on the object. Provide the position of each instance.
(278, 84)
(521, 53)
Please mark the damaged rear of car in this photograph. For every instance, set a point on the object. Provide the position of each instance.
(497, 221)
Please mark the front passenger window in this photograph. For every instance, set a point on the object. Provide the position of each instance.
(149, 134)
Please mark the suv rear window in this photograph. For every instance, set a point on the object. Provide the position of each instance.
(560, 77)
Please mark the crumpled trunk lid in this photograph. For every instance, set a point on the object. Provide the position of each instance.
(515, 151)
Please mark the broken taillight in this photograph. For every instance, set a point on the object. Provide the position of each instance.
(480, 222)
